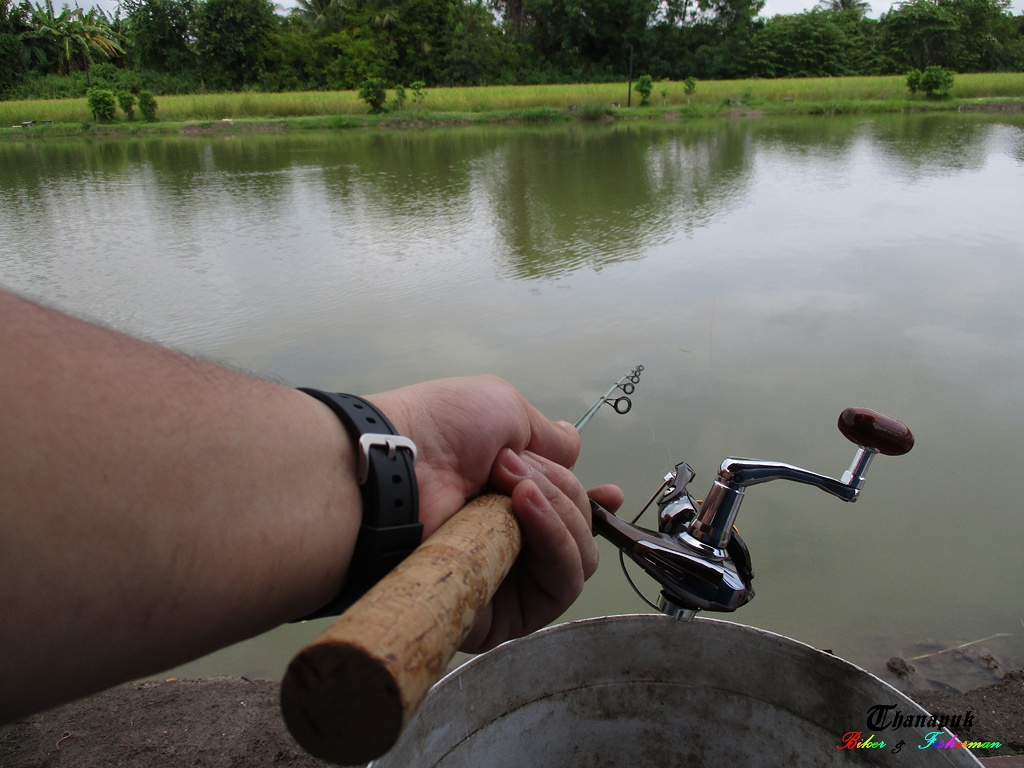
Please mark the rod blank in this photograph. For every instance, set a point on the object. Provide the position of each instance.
(627, 384)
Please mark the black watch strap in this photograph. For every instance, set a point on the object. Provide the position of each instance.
(390, 530)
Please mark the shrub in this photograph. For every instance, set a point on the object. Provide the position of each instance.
(644, 86)
(103, 74)
(399, 97)
(102, 104)
(936, 82)
(691, 85)
(373, 93)
(417, 92)
(914, 80)
(126, 100)
(147, 106)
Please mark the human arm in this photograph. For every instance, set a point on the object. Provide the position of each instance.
(154, 507)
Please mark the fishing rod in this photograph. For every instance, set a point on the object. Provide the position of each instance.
(347, 695)
(621, 404)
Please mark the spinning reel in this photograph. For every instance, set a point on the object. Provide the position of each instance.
(697, 555)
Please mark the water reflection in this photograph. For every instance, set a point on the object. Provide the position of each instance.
(768, 273)
(594, 196)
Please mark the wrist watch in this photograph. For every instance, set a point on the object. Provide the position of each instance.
(390, 528)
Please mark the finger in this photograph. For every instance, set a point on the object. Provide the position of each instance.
(608, 496)
(509, 470)
(549, 487)
(566, 498)
(562, 491)
(563, 480)
(555, 440)
(552, 556)
(545, 580)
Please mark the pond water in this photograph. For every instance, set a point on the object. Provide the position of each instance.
(767, 273)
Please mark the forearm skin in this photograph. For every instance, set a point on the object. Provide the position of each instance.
(152, 507)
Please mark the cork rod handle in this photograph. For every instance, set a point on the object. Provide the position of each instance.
(347, 695)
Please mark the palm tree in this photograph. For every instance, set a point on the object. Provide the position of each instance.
(71, 35)
(860, 7)
(321, 13)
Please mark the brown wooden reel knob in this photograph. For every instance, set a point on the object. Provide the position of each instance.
(871, 429)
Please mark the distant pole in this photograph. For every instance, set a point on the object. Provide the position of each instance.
(629, 93)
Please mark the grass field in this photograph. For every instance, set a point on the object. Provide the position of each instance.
(790, 96)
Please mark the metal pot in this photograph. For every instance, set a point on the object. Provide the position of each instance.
(652, 692)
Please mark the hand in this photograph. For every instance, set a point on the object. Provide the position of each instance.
(477, 431)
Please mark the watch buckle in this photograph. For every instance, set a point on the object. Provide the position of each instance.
(371, 440)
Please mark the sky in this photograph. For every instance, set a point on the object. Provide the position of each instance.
(878, 7)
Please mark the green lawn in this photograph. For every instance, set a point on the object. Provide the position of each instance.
(810, 95)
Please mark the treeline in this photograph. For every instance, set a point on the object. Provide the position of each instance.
(190, 45)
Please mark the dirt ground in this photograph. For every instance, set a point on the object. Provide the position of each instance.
(210, 723)
(236, 723)
(997, 106)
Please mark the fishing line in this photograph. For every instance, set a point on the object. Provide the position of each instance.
(622, 405)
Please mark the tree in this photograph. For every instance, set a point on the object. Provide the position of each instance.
(476, 50)
(126, 100)
(161, 33)
(644, 86)
(147, 106)
(13, 56)
(963, 35)
(321, 14)
(513, 16)
(985, 35)
(413, 36)
(726, 29)
(921, 33)
(584, 38)
(72, 39)
(232, 38)
(858, 7)
(102, 104)
(809, 44)
(373, 93)
(936, 82)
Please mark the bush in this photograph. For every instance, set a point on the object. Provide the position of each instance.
(373, 93)
(147, 106)
(914, 80)
(102, 104)
(13, 61)
(126, 100)
(417, 92)
(103, 75)
(399, 97)
(644, 86)
(691, 85)
(936, 82)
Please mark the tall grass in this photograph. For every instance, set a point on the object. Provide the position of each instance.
(783, 95)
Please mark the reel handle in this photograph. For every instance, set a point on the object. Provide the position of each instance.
(876, 431)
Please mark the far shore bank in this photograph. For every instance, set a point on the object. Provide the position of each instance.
(38, 129)
(251, 112)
